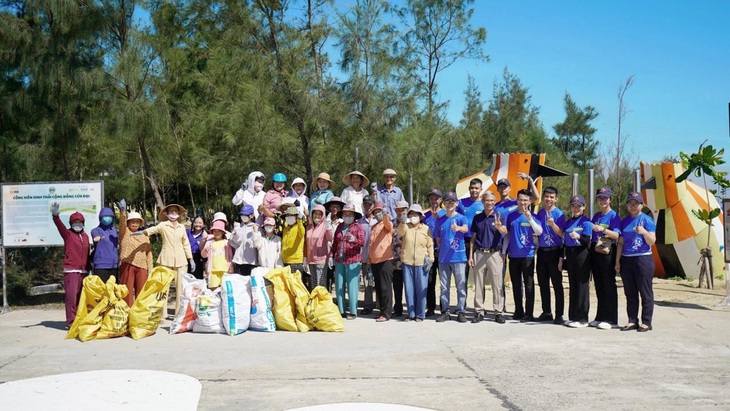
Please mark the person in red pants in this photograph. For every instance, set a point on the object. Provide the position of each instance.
(135, 253)
(76, 262)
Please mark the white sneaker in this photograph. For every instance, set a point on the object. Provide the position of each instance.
(593, 323)
(577, 324)
(603, 326)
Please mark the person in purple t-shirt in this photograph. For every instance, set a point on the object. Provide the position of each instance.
(606, 223)
(550, 256)
(636, 264)
(522, 225)
(577, 231)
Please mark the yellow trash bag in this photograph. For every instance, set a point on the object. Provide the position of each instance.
(284, 307)
(151, 303)
(90, 325)
(115, 322)
(92, 293)
(322, 313)
(301, 298)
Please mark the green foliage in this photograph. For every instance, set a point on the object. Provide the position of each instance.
(575, 134)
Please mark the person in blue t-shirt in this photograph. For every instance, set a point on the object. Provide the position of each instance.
(636, 264)
(469, 207)
(606, 223)
(450, 231)
(520, 231)
(430, 218)
(550, 255)
(577, 232)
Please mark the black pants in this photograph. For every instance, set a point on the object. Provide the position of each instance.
(433, 279)
(579, 274)
(398, 292)
(243, 269)
(104, 274)
(199, 265)
(548, 272)
(523, 268)
(637, 274)
(383, 273)
(604, 279)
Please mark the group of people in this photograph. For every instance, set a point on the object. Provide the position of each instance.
(378, 238)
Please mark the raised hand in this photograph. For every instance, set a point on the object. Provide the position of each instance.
(122, 205)
(55, 209)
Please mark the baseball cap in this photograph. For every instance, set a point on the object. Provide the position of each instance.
(578, 200)
(604, 191)
(451, 196)
(503, 181)
(436, 192)
(368, 199)
(635, 196)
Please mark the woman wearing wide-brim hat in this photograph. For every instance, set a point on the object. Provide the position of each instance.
(323, 186)
(176, 253)
(346, 252)
(355, 190)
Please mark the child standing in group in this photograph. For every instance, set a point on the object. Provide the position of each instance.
(273, 197)
(323, 193)
(268, 245)
(76, 262)
(299, 193)
(246, 256)
(346, 252)
(218, 253)
(135, 253)
(106, 246)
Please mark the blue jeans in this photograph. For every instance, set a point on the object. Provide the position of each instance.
(459, 272)
(415, 279)
(347, 274)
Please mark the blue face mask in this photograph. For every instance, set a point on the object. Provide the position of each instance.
(107, 220)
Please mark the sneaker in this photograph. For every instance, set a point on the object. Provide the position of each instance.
(594, 323)
(603, 326)
(559, 320)
(527, 319)
(408, 319)
(545, 317)
(351, 317)
(499, 319)
(577, 324)
(478, 318)
(443, 317)
(429, 313)
(461, 317)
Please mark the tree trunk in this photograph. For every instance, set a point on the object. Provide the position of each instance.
(148, 173)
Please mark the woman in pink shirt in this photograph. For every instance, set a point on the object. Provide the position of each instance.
(317, 247)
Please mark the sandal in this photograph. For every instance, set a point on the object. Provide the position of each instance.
(630, 327)
(382, 319)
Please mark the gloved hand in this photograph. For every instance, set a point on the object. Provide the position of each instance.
(122, 205)
(331, 263)
(191, 262)
(55, 209)
(236, 224)
(244, 186)
(351, 238)
(296, 203)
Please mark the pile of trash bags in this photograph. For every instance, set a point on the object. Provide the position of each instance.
(245, 303)
(102, 312)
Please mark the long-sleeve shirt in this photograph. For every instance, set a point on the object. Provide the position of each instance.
(417, 244)
(381, 241)
(75, 248)
(318, 242)
(346, 249)
(242, 242)
(217, 251)
(292, 243)
(269, 249)
(175, 245)
(134, 249)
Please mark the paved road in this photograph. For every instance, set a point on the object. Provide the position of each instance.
(682, 364)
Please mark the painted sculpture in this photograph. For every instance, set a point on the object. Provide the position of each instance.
(680, 235)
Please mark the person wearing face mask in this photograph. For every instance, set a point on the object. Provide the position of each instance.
(366, 276)
(434, 212)
(176, 253)
(268, 245)
(380, 258)
(135, 253)
(577, 232)
(252, 193)
(292, 238)
(401, 213)
(105, 256)
(346, 252)
(416, 257)
(299, 192)
(334, 219)
(323, 185)
(76, 261)
(317, 247)
(246, 256)
(274, 196)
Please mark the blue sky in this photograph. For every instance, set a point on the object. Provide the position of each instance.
(678, 52)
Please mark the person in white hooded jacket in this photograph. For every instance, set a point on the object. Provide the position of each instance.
(299, 192)
(252, 193)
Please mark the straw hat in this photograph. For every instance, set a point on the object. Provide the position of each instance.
(286, 203)
(181, 211)
(346, 178)
(351, 207)
(135, 216)
(326, 177)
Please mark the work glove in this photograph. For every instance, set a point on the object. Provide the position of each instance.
(55, 209)
(331, 263)
(192, 264)
(122, 205)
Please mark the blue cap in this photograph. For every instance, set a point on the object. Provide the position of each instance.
(578, 200)
(246, 210)
(451, 196)
(635, 196)
(503, 181)
(604, 191)
(436, 192)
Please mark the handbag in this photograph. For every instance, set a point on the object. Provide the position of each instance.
(603, 245)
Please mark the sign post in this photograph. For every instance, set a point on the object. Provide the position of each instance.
(725, 302)
(26, 214)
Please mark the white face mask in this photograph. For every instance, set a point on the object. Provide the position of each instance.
(378, 216)
(316, 220)
(348, 219)
(415, 220)
(269, 229)
(172, 216)
(245, 219)
(291, 220)
(77, 227)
